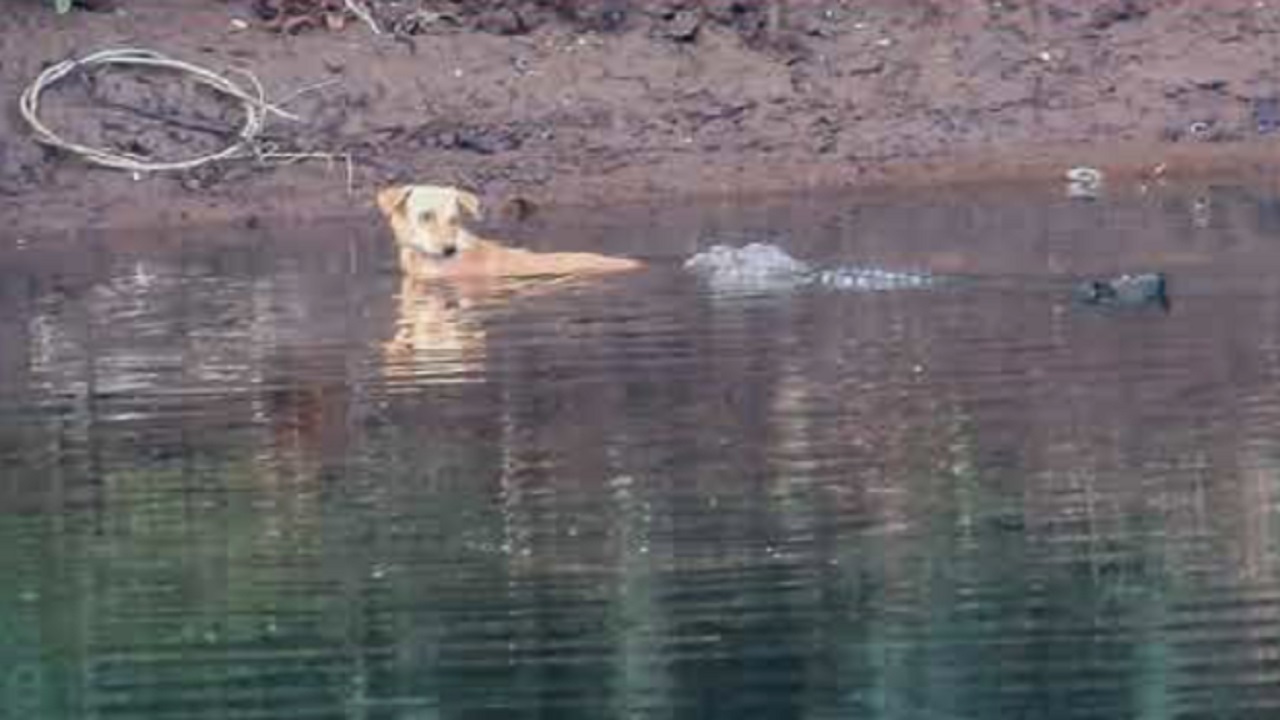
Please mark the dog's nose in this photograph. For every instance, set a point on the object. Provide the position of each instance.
(449, 251)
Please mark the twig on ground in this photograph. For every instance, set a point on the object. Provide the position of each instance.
(361, 11)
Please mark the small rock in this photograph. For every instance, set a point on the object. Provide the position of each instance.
(519, 208)
(335, 21)
(681, 26)
(503, 22)
(1115, 12)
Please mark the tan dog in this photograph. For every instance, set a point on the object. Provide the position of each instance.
(451, 279)
(427, 221)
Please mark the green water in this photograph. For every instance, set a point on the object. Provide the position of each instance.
(225, 494)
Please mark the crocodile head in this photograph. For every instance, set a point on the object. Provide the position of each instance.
(1138, 290)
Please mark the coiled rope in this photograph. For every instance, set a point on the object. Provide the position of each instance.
(246, 144)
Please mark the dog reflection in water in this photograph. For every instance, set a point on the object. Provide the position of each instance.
(448, 272)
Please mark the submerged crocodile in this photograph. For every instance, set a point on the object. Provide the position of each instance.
(763, 268)
(1125, 291)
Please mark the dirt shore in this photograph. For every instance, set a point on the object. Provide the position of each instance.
(615, 100)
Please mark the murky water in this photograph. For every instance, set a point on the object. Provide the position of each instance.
(246, 474)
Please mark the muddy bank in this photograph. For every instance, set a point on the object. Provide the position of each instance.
(611, 100)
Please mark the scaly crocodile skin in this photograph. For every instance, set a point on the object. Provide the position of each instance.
(762, 267)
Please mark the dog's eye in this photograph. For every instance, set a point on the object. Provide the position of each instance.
(426, 217)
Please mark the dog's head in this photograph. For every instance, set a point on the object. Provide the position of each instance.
(428, 218)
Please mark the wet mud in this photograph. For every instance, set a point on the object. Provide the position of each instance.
(538, 102)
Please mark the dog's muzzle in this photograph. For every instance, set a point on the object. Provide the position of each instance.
(444, 253)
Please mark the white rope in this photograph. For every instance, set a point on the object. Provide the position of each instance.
(253, 100)
(362, 12)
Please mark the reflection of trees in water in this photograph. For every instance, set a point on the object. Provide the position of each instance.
(1039, 508)
(178, 536)
(876, 506)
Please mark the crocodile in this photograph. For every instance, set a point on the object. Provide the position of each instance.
(764, 268)
(1135, 290)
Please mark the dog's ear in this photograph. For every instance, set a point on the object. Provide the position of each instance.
(470, 203)
(391, 200)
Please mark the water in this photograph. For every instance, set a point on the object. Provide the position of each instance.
(244, 475)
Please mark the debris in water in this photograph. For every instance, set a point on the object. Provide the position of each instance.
(1084, 183)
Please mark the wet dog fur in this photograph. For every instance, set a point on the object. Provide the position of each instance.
(447, 273)
(428, 222)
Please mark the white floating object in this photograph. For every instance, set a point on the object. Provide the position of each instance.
(1084, 182)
